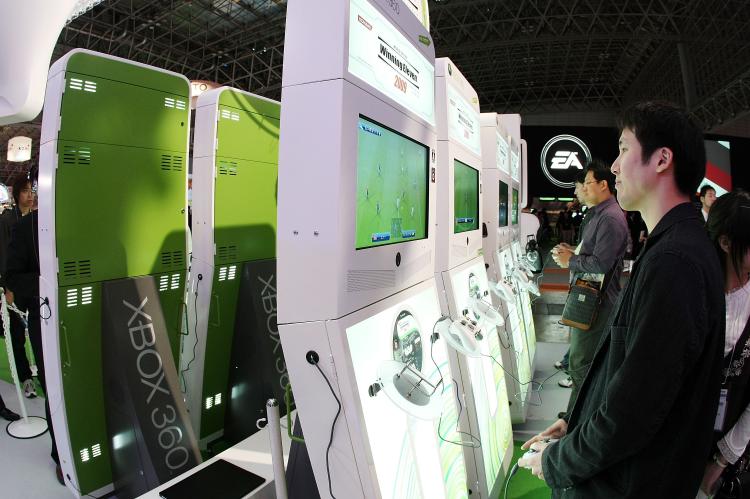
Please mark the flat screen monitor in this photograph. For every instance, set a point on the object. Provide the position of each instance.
(514, 208)
(465, 198)
(502, 220)
(392, 186)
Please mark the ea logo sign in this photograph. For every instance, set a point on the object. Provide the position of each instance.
(563, 158)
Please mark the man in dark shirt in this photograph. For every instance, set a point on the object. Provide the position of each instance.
(597, 258)
(22, 282)
(642, 424)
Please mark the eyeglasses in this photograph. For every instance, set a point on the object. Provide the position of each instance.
(592, 182)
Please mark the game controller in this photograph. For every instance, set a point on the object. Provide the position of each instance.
(503, 290)
(462, 334)
(533, 289)
(531, 452)
(521, 277)
(487, 312)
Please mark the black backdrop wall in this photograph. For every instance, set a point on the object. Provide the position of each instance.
(602, 142)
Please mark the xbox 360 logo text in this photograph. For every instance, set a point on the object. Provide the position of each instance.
(562, 158)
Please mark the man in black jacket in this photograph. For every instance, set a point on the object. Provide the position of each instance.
(22, 280)
(642, 424)
(23, 196)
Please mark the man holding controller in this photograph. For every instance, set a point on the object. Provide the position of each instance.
(642, 423)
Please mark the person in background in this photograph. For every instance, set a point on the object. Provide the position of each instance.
(580, 187)
(22, 281)
(641, 425)
(707, 196)
(729, 229)
(597, 258)
(23, 196)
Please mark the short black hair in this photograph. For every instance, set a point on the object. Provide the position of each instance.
(663, 124)
(580, 177)
(601, 171)
(20, 184)
(705, 189)
(730, 216)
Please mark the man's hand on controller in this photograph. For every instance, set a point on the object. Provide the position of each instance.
(533, 459)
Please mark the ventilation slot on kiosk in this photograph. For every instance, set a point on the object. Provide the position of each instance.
(77, 268)
(80, 156)
(228, 168)
(226, 253)
(361, 280)
(171, 162)
(172, 259)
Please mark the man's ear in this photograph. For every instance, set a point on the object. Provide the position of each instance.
(664, 159)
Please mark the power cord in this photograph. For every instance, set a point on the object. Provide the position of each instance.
(513, 471)
(538, 389)
(195, 329)
(313, 358)
(475, 441)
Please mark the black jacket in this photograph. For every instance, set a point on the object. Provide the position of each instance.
(642, 425)
(8, 220)
(22, 272)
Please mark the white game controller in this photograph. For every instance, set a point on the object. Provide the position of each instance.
(503, 290)
(487, 312)
(521, 277)
(463, 335)
(533, 288)
(531, 452)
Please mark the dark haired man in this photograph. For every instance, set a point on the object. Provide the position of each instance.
(707, 196)
(598, 258)
(642, 423)
(23, 197)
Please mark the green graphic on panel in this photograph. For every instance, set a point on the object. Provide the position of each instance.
(391, 187)
(465, 198)
(514, 208)
(120, 199)
(244, 229)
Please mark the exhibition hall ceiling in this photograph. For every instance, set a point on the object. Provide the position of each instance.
(534, 57)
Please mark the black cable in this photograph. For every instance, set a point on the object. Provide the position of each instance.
(513, 471)
(330, 441)
(187, 322)
(538, 390)
(475, 442)
(44, 303)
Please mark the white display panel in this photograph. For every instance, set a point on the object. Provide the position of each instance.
(525, 304)
(459, 140)
(379, 449)
(515, 331)
(409, 458)
(489, 393)
(503, 153)
(515, 163)
(463, 121)
(381, 56)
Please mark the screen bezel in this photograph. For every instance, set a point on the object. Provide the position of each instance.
(502, 184)
(457, 162)
(426, 182)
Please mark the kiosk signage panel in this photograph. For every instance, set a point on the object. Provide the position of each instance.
(514, 164)
(514, 208)
(463, 122)
(409, 458)
(381, 56)
(502, 154)
(488, 387)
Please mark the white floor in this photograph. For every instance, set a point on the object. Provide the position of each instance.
(26, 470)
